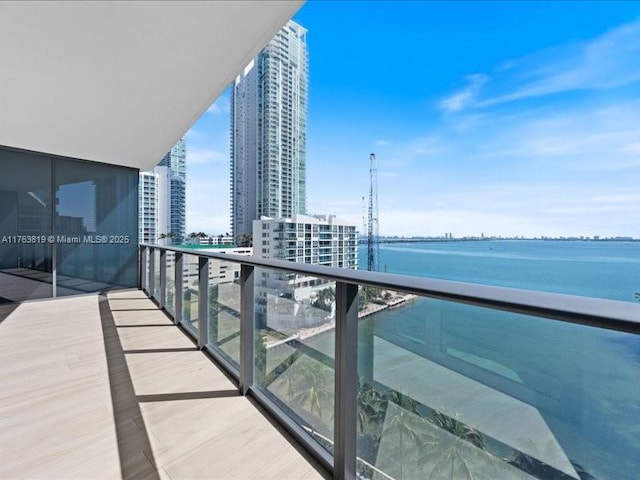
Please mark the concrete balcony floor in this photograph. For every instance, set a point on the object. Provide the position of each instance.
(106, 387)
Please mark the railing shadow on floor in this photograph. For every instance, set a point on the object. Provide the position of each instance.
(134, 449)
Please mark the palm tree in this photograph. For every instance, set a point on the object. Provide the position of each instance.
(294, 376)
(325, 299)
(458, 457)
(168, 235)
(371, 409)
(371, 406)
(406, 424)
(459, 429)
(316, 387)
(448, 462)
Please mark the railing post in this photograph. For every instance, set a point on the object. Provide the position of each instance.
(179, 294)
(163, 278)
(152, 272)
(144, 253)
(247, 327)
(203, 301)
(346, 389)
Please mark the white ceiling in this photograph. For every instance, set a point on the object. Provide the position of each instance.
(121, 82)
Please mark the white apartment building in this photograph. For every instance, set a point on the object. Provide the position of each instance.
(227, 240)
(153, 205)
(219, 271)
(268, 132)
(319, 240)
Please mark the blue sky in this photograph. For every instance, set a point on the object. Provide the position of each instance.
(502, 118)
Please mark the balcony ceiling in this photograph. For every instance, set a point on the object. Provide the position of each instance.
(121, 82)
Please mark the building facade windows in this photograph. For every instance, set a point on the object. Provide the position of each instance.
(268, 139)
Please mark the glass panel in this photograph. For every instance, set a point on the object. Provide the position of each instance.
(156, 273)
(224, 308)
(295, 347)
(455, 391)
(25, 226)
(95, 224)
(170, 303)
(147, 266)
(190, 293)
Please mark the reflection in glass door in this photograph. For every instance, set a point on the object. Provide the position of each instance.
(66, 226)
(25, 226)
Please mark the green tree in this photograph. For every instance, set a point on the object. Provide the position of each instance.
(461, 430)
(168, 235)
(316, 387)
(371, 408)
(325, 299)
(406, 424)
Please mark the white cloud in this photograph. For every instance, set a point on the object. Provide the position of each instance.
(608, 61)
(466, 96)
(382, 143)
(584, 137)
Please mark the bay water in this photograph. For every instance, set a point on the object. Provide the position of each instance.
(600, 269)
(574, 390)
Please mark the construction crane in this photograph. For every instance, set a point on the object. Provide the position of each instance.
(373, 240)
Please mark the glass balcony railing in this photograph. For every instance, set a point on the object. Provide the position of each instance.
(224, 310)
(190, 292)
(394, 377)
(289, 367)
(170, 298)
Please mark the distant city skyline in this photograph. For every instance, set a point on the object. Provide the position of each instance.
(518, 119)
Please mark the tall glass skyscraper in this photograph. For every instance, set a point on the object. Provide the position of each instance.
(268, 132)
(175, 160)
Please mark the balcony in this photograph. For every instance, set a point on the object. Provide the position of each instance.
(491, 414)
(107, 387)
(488, 382)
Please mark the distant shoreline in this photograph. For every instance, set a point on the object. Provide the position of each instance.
(363, 240)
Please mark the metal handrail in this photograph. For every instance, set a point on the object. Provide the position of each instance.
(602, 313)
(608, 314)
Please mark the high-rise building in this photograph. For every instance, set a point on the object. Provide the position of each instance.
(154, 206)
(268, 132)
(161, 199)
(175, 160)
